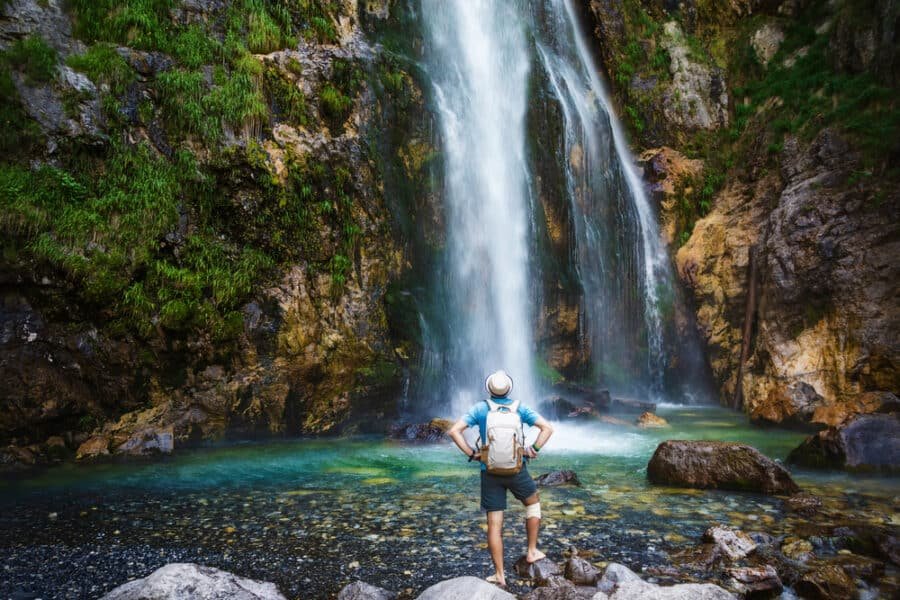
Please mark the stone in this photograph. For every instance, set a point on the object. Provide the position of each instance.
(465, 588)
(797, 549)
(804, 504)
(755, 582)
(581, 572)
(826, 582)
(792, 404)
(714, 464)
(359, 590)
(858, 567)
(620, 583)
(430, 432)
(556, 478)
(864, 443)
(148, 441)
(765, 41)
(834, 415)
(733, 543)
(188, 581)
(648, 420)
(97, 445)
(539, 571)
(558, 589)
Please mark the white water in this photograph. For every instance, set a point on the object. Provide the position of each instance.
(482, 56)
(480, 60)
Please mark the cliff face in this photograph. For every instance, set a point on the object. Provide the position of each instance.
(195, 232)
(777, 187)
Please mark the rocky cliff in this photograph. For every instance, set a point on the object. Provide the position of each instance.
(196, 235)
(771, 131)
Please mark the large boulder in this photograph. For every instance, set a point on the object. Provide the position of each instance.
(712, 464)
(620, 583)
(826, 582)
(360, 590)
(465, 588)
(187, 581)
(864, 443)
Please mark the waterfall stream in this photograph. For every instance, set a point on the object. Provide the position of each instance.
(483, 58)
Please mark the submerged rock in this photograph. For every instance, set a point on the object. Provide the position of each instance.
(648, 420)
(187, 581)
(554, 478)
(864, 443)
(712, 464)
(359, 590)
(826, 582)
(804, 504)
(465, 588)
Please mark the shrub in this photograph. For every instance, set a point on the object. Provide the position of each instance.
(33, 57)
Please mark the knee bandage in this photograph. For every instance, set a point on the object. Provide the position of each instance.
(533, 511)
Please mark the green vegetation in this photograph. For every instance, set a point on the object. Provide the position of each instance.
(34, 58)
(546, 373)
(102, 64)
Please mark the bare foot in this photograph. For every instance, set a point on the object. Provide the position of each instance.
(534, 556)
(497, 579)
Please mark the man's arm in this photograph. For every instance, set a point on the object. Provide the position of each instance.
(544, 435)
(456, 435)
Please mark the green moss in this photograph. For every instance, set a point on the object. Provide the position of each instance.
(546, 373)
(102, 64)
(288, 101)
(33, 57)
(193, 47)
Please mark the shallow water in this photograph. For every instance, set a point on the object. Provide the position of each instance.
(312, 515)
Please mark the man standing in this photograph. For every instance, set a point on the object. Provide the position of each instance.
(494, 487)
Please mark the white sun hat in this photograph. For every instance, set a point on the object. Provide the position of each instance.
(498, 384)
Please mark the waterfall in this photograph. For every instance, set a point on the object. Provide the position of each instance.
(479, 60)
(483, 58)
(619, 258)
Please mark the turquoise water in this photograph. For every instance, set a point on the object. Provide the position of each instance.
(312, 515)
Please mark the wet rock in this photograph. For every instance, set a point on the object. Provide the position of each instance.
(804, 504)
(464, 588)
(97, 445)
(557, 589)
(834, 415)
(631, 405)
(648, 420)
(555, 478)
(755, 582)
(359, 590)
(858, 567)
(797, 549)
(149, 441)
(826, 582)
(433, 431)
(712, 464)
(539, 571)
(792, 404)
(668, 173)
(581, 572)
(864, 443)
(620, 583)
(187, 581)
(732, 543)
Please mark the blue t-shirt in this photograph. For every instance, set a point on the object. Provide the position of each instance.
(477, 416)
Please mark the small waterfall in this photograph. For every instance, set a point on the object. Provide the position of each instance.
(478, 57)
(620, 261)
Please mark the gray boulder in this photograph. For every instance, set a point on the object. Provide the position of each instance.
(187, 581)
(581, 572)
(723, 465)
(360, 590)
(539, 571)
(864, 443)
(465, 588)
(621, 583)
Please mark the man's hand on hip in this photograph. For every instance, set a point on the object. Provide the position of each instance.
(530, 453)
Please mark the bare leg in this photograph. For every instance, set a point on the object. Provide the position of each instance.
(532, 526)
(495, 542)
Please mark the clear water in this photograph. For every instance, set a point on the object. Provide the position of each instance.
(301, 513)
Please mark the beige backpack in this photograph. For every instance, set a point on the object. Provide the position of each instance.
(505, 447)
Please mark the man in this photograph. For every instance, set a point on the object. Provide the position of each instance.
(494, 487)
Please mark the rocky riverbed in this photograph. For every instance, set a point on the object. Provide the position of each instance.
(312, 516)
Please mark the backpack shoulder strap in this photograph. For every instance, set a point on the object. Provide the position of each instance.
(492, 406)
(514, 407)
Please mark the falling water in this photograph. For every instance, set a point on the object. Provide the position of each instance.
(483, 58)
(619, 258)
(479, 59)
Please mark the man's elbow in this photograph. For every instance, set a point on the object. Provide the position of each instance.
(548, 428)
